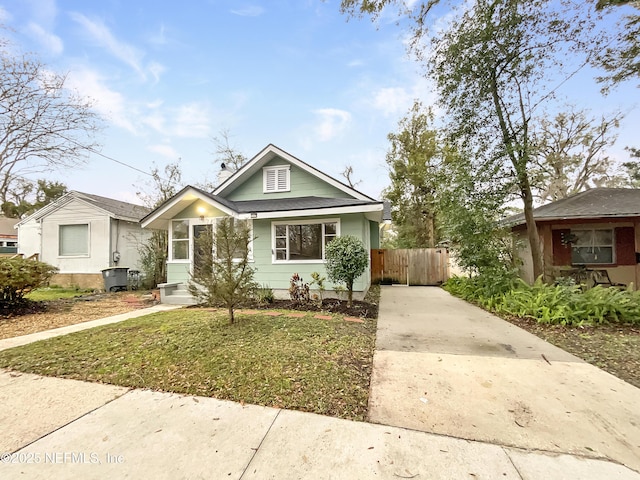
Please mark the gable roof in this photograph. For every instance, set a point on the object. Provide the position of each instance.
(269, 153)
(594, 203)
(7, 225)
(118, 209)
(266, 208)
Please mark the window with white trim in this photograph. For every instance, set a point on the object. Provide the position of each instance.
(180, 240)
(302, 241)
(276, 179)
(592, 246)
(73, 240)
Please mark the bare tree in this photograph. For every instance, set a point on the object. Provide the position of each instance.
(43, 124)
(571, 154)
(227, 153)
(347, 173)
(163, 185)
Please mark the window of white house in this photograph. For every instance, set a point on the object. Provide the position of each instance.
(73, 240)
(592, 246)
(276, 179)
(180, 240)
(303, 241)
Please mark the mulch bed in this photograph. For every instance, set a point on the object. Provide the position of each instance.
(31, 317)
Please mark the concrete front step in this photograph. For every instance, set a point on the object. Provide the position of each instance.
(175, 294)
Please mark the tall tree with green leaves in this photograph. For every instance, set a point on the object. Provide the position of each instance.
(26, 196)
(621, 57)
(413, 159)
(496, 64)
(632, 168)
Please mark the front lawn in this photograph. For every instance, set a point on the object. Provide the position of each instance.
(308, 364)
(49, 293)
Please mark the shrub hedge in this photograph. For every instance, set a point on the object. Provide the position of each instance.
(554, 304)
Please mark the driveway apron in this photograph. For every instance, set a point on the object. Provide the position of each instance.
(444, 366)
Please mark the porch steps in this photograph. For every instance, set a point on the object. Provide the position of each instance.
(176, 294)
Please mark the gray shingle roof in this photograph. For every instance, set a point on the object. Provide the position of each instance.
(594, 203)
(300, 203)
(120, 209)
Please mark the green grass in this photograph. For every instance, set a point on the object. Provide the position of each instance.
(47, 294)
(298, 363)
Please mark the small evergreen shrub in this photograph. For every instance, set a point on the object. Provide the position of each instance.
(19, 276)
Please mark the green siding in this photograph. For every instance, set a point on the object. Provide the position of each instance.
(277, 275)
(303, 184)
(178, 272)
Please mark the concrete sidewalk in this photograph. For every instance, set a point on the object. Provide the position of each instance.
(444, 366)
(92, 431)
(67, 429)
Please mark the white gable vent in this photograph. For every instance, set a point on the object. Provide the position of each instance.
(276, 179)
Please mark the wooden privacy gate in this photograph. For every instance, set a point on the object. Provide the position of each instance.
(416, 266)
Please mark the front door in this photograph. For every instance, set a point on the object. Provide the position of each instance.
(202, 246)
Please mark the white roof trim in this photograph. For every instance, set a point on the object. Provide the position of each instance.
(314, 212)
(178, 198)
(266, 155)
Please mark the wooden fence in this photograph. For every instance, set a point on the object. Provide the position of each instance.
(417, 266)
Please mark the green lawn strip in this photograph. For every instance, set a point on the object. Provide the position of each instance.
(45, 294)
(320, 366)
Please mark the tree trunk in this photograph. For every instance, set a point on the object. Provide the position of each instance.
(350, 294)
(532, 231)
(231, 317)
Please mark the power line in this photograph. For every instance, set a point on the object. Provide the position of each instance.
(94, 151)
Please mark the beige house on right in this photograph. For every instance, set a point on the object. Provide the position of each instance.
(596, 230)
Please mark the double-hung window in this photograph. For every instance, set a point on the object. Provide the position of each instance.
(180, 240)
(276, 179)
(302, 241)
(592, 246)
(73, 240)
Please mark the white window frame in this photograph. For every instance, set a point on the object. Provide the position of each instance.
(78, 255)
(593, 230)
(276, 170)
(320, 221)
(188, 240)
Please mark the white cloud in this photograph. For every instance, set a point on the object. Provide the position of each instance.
(249, 11)
(165, 150)
(355, 63)
(48, 40)
(156, 69)
(192, 121)
(5, 17)
(108, 103)
(331, 123)
(392, 100)
(186, 121)
(159, 38)
(103, 37)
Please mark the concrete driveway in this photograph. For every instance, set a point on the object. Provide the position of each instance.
(447, 367)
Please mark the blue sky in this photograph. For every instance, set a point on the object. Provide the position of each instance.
(168, 76)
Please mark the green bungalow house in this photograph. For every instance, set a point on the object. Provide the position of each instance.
(294, 210)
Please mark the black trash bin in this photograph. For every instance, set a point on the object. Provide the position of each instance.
(115, 278)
